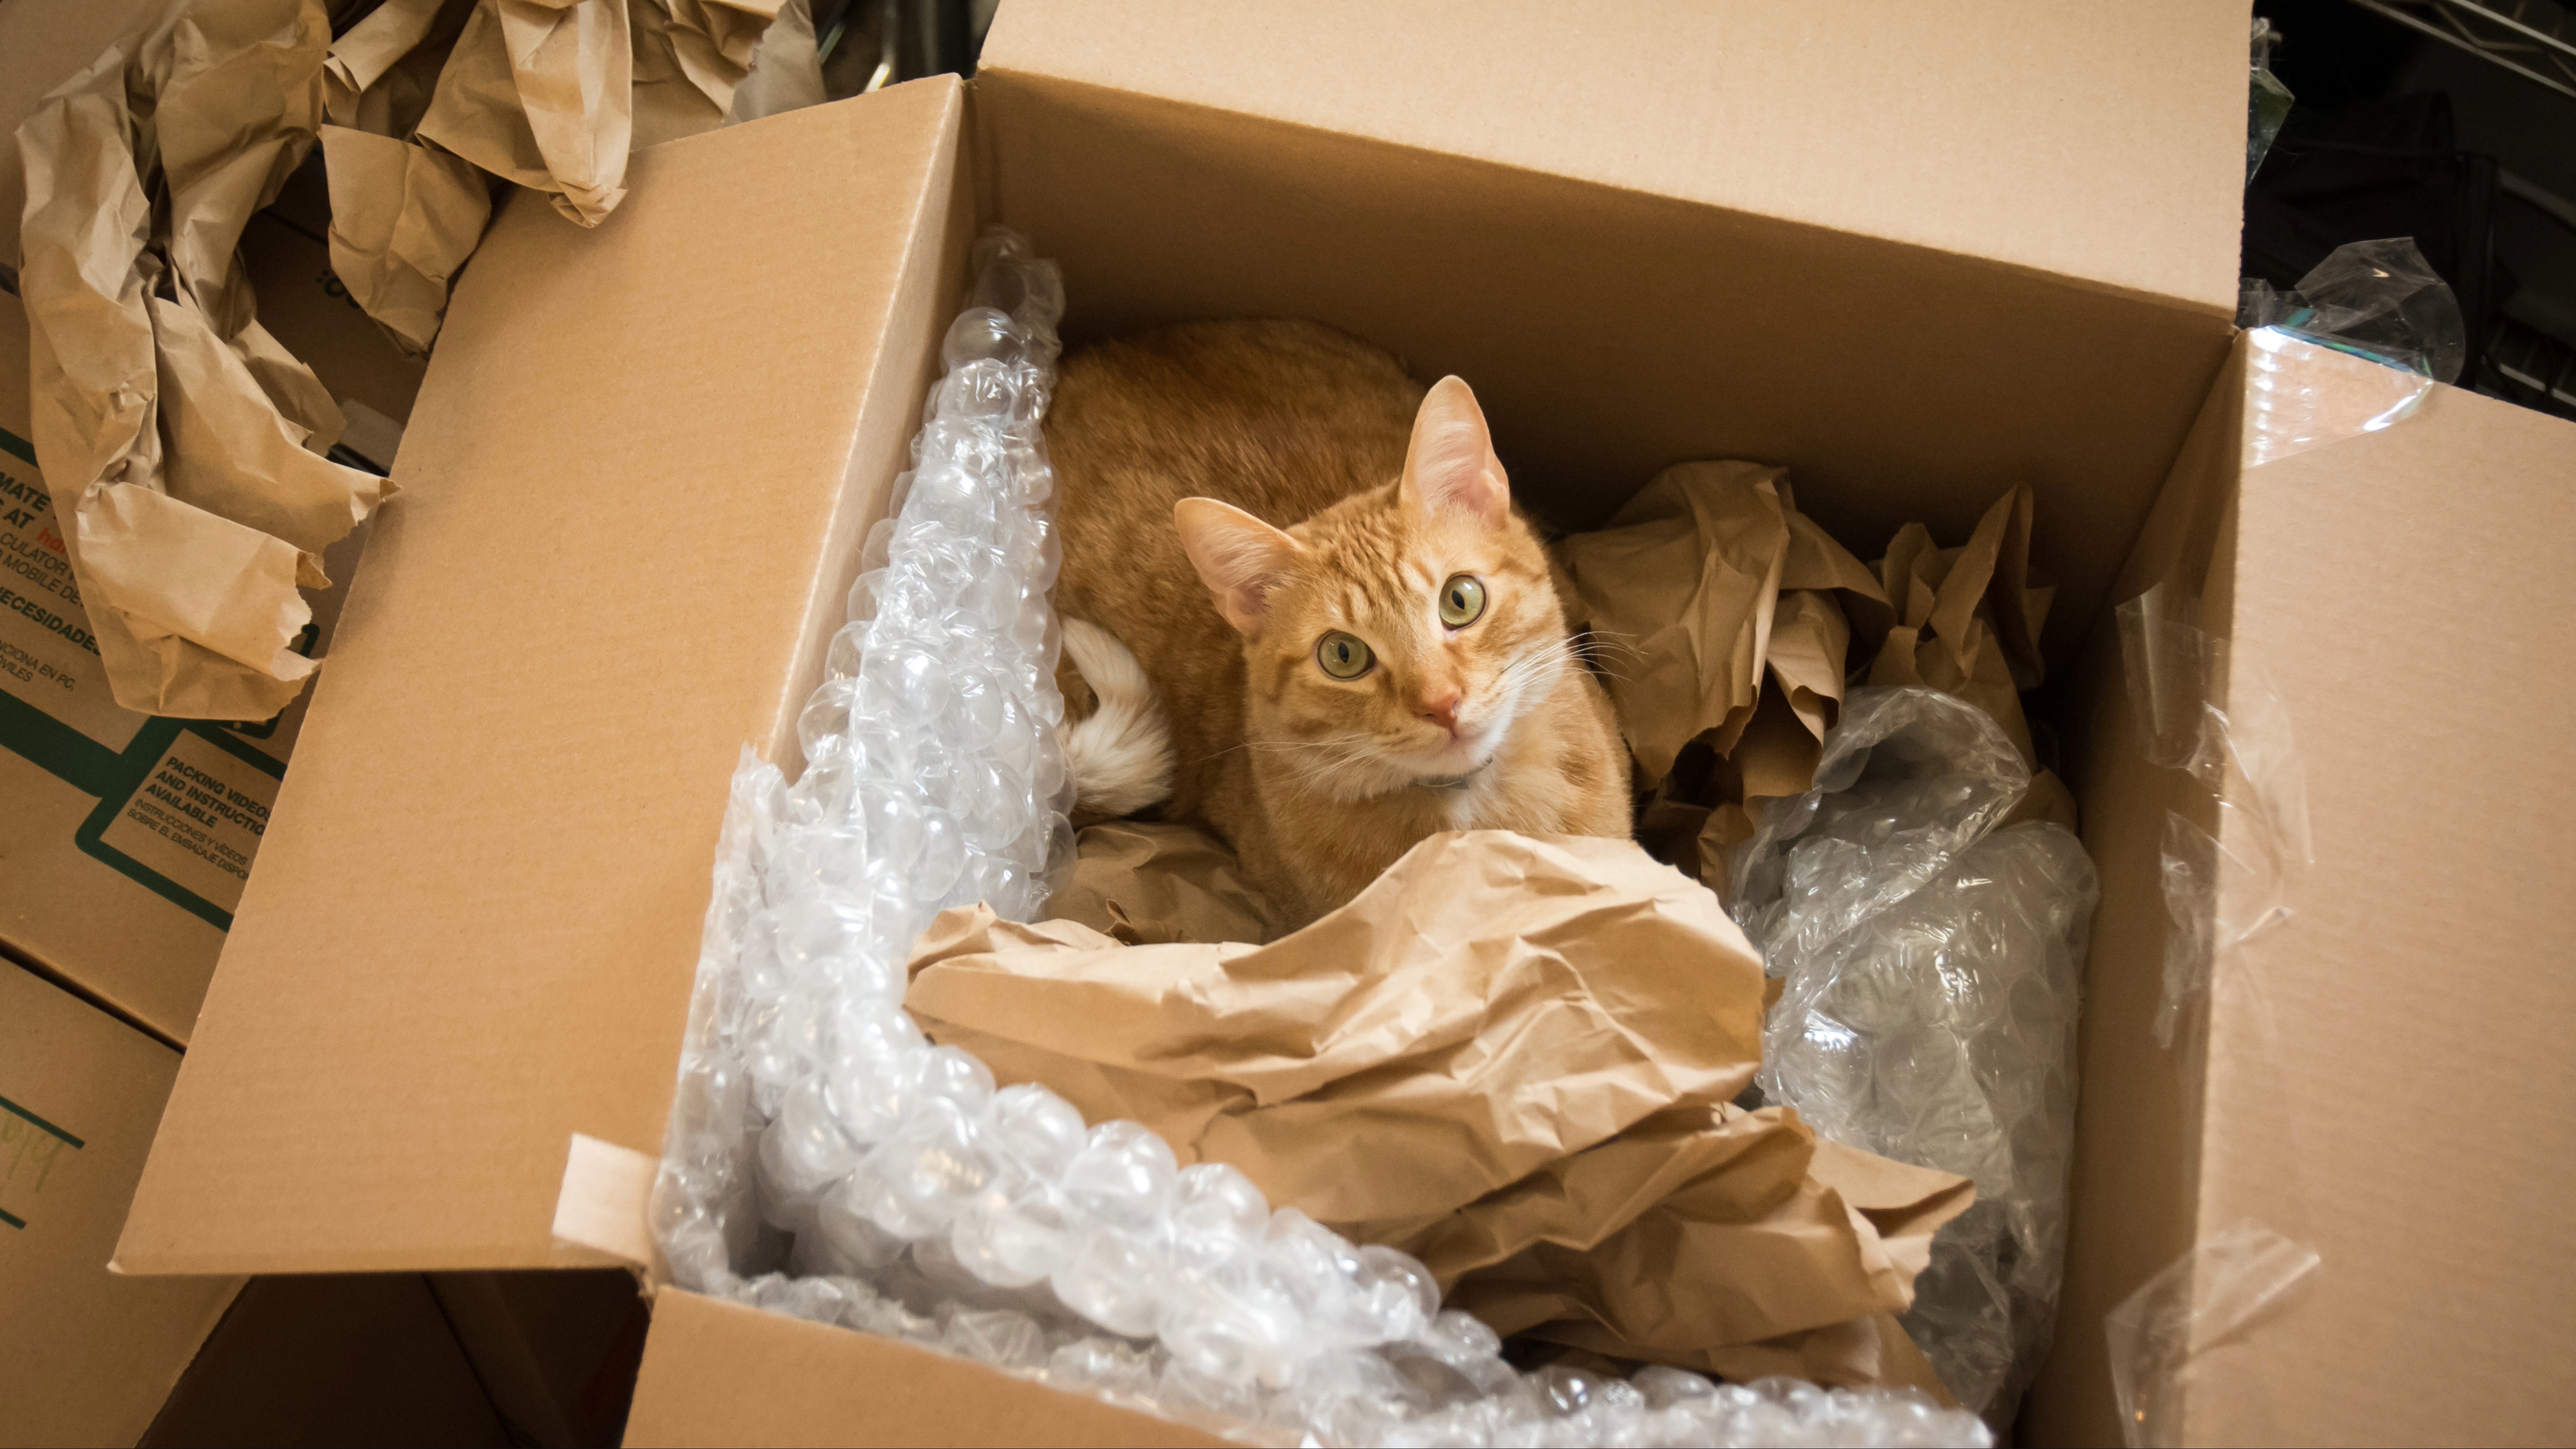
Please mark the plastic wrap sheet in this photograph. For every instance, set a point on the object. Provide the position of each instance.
(1931, 965)
(2267, 102)
(2353, 349)
(826, 1161)
(2225, 1286)
(2376, 300)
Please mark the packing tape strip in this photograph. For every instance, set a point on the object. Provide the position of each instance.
(603, 1215)
(2214, 714)
(2214, 1294)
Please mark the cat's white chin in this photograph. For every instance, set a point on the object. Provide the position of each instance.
(1461, 756)
(1443, 766)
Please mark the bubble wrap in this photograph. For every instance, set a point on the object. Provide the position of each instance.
(826, 1161)
(1931, 968)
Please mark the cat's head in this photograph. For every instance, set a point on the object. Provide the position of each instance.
(1395, 638)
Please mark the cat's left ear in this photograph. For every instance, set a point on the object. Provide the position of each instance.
(1450, 468)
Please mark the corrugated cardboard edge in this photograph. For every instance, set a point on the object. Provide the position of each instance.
(719, 1373)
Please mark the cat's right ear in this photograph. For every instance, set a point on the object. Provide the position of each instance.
(1239, 557)
(1450, 467)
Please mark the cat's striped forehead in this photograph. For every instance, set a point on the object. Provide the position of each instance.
(1372, 561)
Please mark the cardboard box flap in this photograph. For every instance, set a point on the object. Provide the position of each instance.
(720, 1373)
(2388, 586)
(2104, 144)
(473, 926)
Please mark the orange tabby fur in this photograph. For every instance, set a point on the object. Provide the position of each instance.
(1315, 781)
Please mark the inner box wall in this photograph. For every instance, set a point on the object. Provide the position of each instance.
(2135, 1177)
(1610, 333)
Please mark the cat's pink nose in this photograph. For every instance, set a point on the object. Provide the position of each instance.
(1442, 708)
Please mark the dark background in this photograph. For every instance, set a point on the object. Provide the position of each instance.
(2395, 132)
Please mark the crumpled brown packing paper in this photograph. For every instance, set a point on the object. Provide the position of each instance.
(190, 446)
(404, 217)
(1728, 621)
(381, 72)
(1142, 882)
(183, 444)
(1703, 585)
(786, 68)
(1514, 1057)
(404, 214)
(427, 96)
(1678, 591)
(1718, 609)
(1625, 1223)
(541, 92)
(1963, 620)
(693, 58)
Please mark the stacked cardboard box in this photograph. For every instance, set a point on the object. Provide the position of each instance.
(1913, 253)
(88, 1356)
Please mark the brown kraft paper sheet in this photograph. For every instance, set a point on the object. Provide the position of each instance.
(1514, 1057)
(1141, 882)
(1717, 608)
(189, 449)
(1964, 620)
(1723, 614)
(185, 446)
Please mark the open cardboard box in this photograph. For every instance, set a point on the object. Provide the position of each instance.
(1916, 254)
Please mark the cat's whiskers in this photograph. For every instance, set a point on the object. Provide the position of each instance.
(1591, 647)
(1542, 665)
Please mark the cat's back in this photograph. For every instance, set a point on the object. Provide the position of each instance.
(1279, 418)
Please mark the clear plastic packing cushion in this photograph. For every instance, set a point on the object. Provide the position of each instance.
(2378, 301)
(1931, 963)
(825, 1161)
(2214, 714)
(2211, 1296)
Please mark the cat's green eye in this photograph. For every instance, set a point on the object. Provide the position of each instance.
(1462, 601)
(1342, 656)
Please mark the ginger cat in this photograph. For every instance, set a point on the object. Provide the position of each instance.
(1355, 638)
